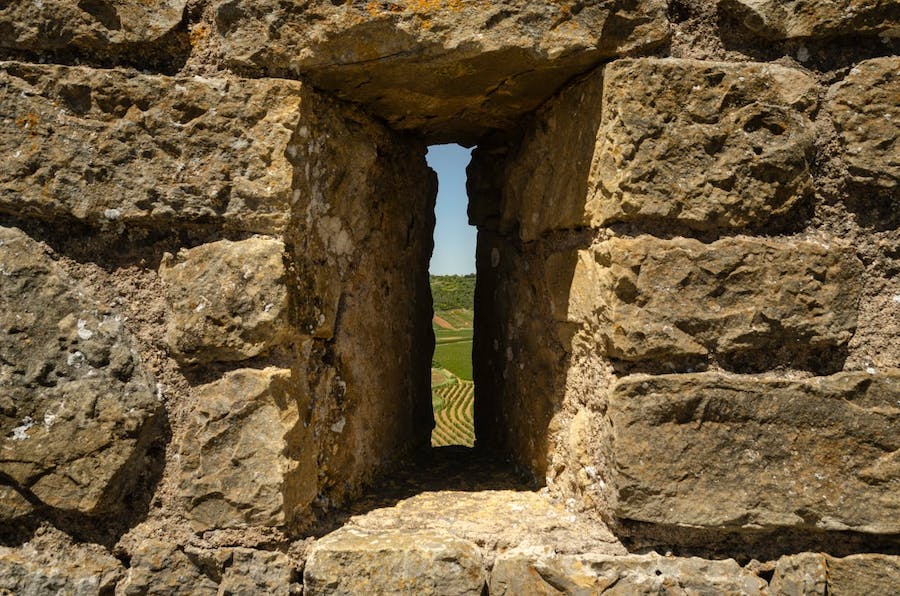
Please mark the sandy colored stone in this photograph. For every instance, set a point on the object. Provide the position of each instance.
(354, 561)
(249, 572)
(112, 147)
(541, 183)
(244, 457)
(805, 574)
(718, 451)
(655, 299)
(159, 567)
(494, 519)
(78, 409)
(866, 114)
(42, 566)
(540, 571)
(360, 246)
(94, 26)
(705, 144)
(817, 19)
(863, 574)
(514, 297)
(452, 69)
(228, 300)
(821, 574)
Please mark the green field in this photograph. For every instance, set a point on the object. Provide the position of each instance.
(453, 414)
(452, 389)
(456, 357)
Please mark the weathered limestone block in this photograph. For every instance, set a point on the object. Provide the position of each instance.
(250, 572)
(228, 300)
(653, 299)
(820, 574)
(104, 26)
(78, 409)
(162, 568)
(718, 451)
(38, 568)
(866, 114)
(791, 19)
(451, 68)
(360, 244)
(520, 349)
(354, 561)
(115, 147)
(159, 567)
(244, 459)
(541, 183)
(805, 574)
(541, 571)
(705, 144)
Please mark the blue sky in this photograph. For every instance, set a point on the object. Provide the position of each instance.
(454, 238)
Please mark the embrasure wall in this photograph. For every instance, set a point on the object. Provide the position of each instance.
(216, 225)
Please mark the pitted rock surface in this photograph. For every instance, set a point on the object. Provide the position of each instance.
(229, 300)
(96, 27)
(714, 450)
(78, 408)
(452, 69)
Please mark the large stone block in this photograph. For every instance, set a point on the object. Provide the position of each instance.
(717, 451)
(816, 19)
(78, 410)
(654, 299)
(228, 300)
(543, 572)
(44, 567)
(159, 567)
(451, 68)
(244, 458)
(709, 145)
(542, 182)
(97, 27)
(821, 574)
(866, 114)
(354, 561)
(112, 147)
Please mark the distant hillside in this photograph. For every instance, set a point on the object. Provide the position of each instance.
(451, 292)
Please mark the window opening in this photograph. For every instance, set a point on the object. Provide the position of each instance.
(452, 274)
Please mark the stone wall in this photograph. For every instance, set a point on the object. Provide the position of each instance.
(215, 225)
(687, 302)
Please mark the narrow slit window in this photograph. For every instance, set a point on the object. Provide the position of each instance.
(452, 273)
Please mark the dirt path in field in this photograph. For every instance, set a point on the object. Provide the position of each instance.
(442, 323)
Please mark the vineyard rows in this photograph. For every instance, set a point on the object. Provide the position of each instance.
(454, 421)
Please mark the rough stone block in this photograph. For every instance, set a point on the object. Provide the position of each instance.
(542, 572)
(819, 19)
(656, 299)
(355, 561)
(543, 182)
(112, 147)
(37, 568)
(821, 574)
(88, 26)
(709, 145)
(259, 572)
(228, 300)
(866, 114)
(78, 409)
(244, 458)
(159, 567)
(452, 69)
(717, 451)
